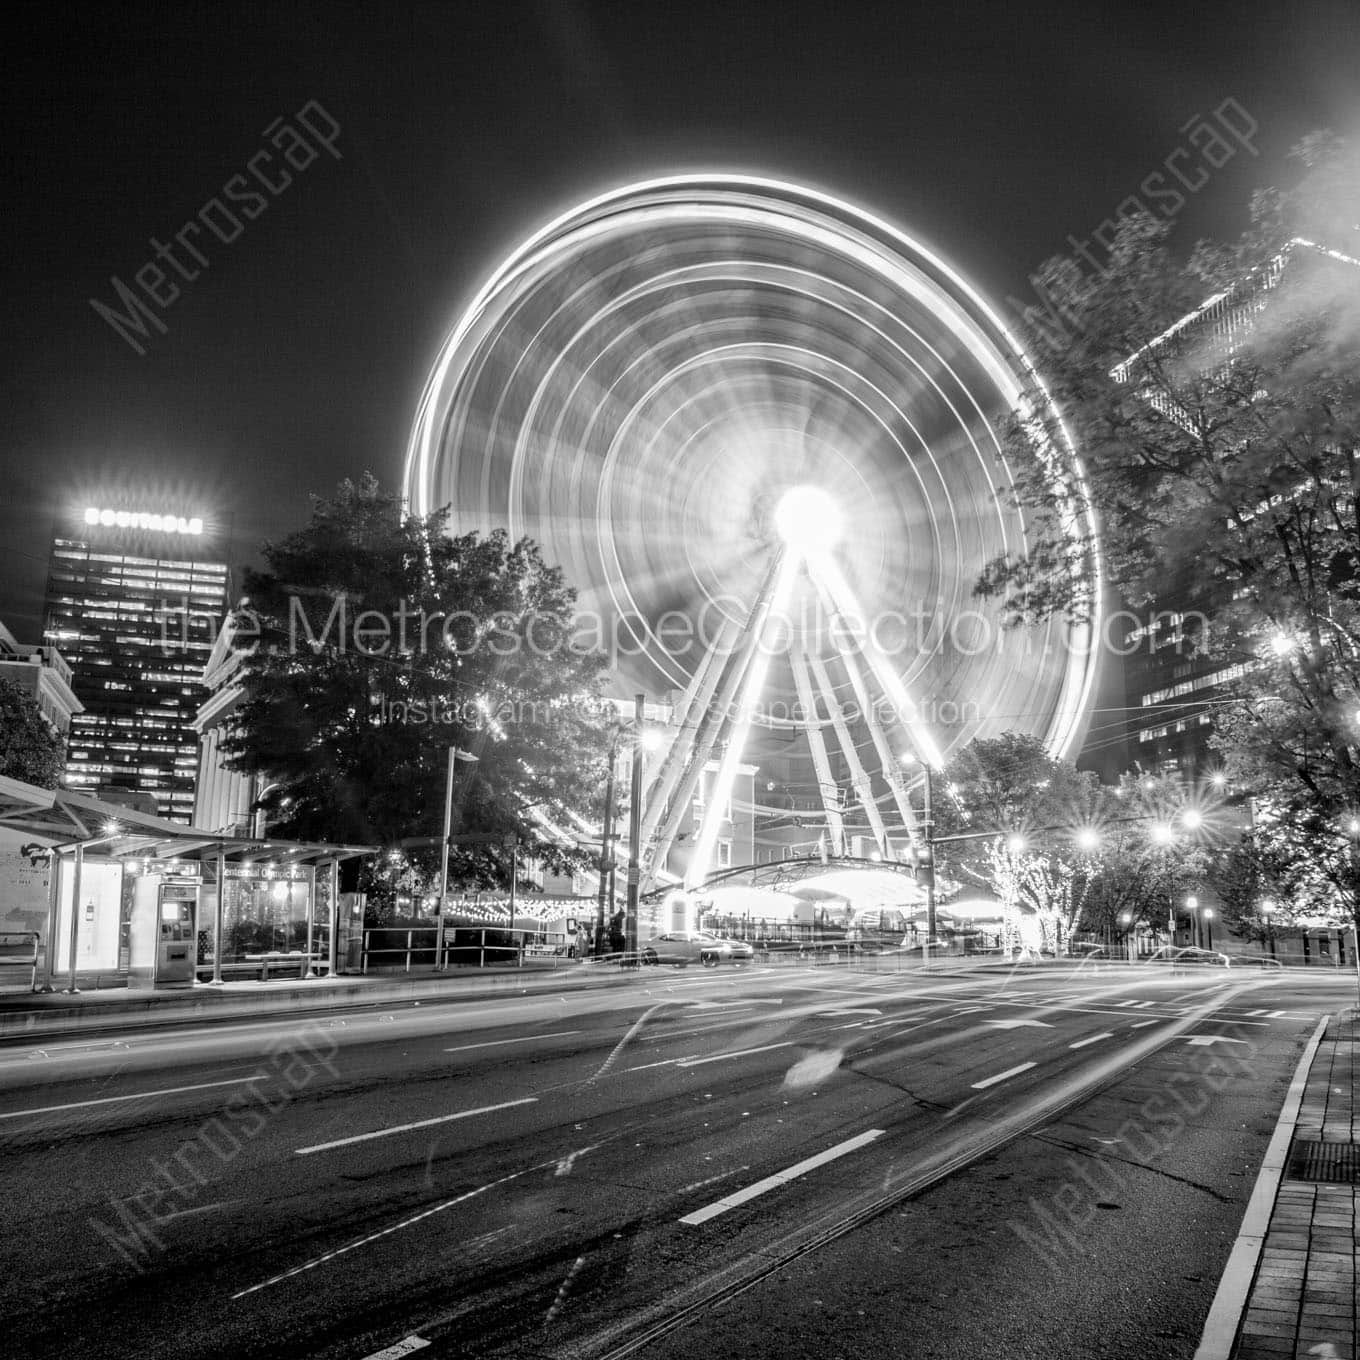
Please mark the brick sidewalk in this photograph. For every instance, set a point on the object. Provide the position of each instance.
(1303, 1298)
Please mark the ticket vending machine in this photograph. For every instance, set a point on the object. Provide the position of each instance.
(163, 938)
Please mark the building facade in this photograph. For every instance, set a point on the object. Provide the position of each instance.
(134, 602)
(42, 674)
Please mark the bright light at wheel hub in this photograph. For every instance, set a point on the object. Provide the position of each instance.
(806, 517)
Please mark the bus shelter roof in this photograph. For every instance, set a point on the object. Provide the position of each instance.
(69, 819)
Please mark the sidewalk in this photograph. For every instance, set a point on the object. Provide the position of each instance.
(1290, 1286)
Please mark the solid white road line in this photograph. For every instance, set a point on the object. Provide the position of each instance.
(419, 1124)
(1234, 1288)
(1001, 1076)
(741, 1053)
(1143, 1024)
(136, 1095)
(1094, 1039)
(731, 1201)
(528, 1039)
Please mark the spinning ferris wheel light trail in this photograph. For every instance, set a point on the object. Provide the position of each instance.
(758, 409)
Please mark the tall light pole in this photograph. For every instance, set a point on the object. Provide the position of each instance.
(630, 920)
(1268, 909)
(928, 834)
(1192, 909)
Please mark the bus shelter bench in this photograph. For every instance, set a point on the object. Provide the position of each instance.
(19, 949)
(277, 962)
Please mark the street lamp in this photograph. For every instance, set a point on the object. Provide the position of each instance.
(1126, 920)
(1192, 910)
(1208, 914)
(928, 830)
(1268, 909)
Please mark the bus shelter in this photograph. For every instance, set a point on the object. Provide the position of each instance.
(159, 904)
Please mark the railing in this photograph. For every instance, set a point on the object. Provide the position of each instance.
(19, 949)
(400, 949)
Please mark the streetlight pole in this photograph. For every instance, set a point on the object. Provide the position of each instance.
(927, 866)
(929, 820)
(1267, 910)
(630, 920)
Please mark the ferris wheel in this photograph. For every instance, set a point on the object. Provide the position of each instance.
(755, 426)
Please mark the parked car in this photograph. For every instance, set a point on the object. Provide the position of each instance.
(1199, 958)
(683, 947)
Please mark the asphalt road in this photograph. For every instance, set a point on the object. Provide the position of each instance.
(767, 1162)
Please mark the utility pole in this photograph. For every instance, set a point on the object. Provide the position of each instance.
(929, 820)
(455, 755)
(630, 926)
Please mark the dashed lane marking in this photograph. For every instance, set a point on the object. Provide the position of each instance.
(135, 1095)
(403, 1347)
(419, 1124)
(741, 1053)
(751, 1192)
(1002, 1076)
(1094, 1039)
(528, 1039)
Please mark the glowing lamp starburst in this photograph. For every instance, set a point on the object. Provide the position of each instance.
(807, 518)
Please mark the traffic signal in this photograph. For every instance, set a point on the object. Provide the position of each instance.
(925, 868)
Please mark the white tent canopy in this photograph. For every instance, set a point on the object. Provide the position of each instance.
(866, 889)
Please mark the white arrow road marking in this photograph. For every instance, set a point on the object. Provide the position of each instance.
(419, 1124)
(1094, 1039)
(1018, 1024)
(1001, 1076)
(1204, 1040)
(738, 1197)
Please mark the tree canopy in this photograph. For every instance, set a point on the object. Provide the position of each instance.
(377, 641)
(29, 749)
(1221, 458)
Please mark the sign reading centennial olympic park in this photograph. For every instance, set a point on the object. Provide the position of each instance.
(142, 519)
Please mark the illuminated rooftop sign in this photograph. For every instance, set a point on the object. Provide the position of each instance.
(142, 519)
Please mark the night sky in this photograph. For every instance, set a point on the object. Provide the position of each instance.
(296, 356)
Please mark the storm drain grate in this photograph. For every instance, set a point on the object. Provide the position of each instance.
(1336, 1162)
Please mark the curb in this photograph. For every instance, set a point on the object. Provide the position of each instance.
(1234, 1288)
(150, 1012)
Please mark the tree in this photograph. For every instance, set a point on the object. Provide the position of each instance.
(1017, 814)
(377, 642)
(1220, 459)
(29, 748)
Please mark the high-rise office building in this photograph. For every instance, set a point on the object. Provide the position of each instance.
(134, 602)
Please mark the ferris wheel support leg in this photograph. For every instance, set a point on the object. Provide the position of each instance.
(820, 761)
(882, 747)
(859, 776)
(789, 565)
(733, 670)
(689, 717)
(829, 578)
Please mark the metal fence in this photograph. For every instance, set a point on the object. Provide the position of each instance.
(402, 949)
